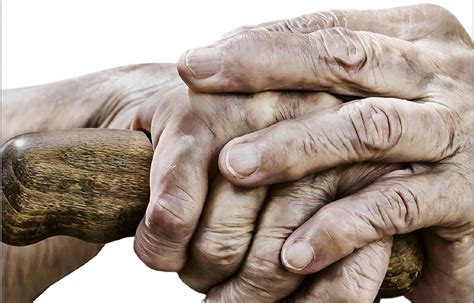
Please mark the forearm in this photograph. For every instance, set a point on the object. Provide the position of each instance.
(28, 271)
(57, 105)
(91, 100)
(103, 99)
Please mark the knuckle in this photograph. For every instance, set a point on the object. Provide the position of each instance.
(287, 26)
(401, 209)
(452, 139)
(144, 249)
(286, 130)
(254, 41)
(264, 276)
(364, 273)
(297, 25)
(305, 142)
(335, 229)
(155, 253)
(193, 129)
(220, 249)
(310, 23)
(460, 213)
(286, 108)
(329, 19)
(344, 51)
(376, 125)
(169, 218)
(264, 109)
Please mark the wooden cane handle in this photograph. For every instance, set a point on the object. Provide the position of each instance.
(93, 184)
(88, 183)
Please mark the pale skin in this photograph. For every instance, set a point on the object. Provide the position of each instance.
(414, 66)
(152, 98)
(162, 249)
(80, 102)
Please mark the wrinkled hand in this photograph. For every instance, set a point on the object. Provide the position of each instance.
(152, 98)
(239, 239)
(418, 53)
(188, 130)
(106, 99)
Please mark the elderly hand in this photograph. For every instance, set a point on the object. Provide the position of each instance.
(188, 130)
(240, 245)
(422, 59)
(106, 99)
(153, 99)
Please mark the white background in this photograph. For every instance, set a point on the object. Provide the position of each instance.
(49, 40)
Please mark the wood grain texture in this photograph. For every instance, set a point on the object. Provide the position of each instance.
(88, 183)
(93, 184)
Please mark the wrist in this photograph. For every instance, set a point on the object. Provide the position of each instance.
(93, 100)
(59, 105)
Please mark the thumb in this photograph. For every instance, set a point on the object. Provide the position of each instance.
(396, 205)
(337, 60)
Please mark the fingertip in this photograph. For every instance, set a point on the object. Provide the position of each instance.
(242, 160)
(183, 70)
(298, 256)
(238, 163)
(200, 68)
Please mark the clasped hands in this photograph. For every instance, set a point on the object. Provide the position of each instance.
(294, 194)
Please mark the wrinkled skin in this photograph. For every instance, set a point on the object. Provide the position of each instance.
(153, 98)
(188, 130)
(222, 242)
(415, 65)
(27, 271)
(104, 99)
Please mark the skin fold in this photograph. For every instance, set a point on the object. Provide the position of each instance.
(152, 98)
(80, 102)
(217, 249)
(411, 69)
(410, 73)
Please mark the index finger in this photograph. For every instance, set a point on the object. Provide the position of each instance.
(373, 129)
(185, 155)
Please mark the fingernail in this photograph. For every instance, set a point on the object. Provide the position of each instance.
(203, 62)
(298, 255)
(242, 160)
